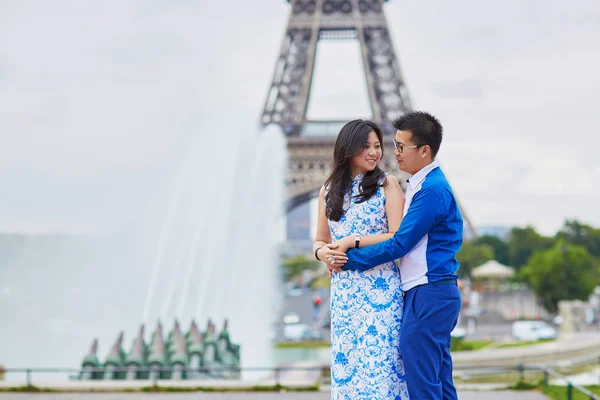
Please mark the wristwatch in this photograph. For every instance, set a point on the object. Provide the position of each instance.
(356, 241)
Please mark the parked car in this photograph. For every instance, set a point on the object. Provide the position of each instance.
(291, 318)
(296, 332)
(532, 331)
(458, 332)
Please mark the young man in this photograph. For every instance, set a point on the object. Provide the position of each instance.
(428, 239)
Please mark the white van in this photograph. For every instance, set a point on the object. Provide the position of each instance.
(532, 331)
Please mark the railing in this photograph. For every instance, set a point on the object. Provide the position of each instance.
(275, 375)
(521, 369)
(272, 375)
(570, 386)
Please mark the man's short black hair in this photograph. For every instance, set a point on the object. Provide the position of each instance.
(425, 128)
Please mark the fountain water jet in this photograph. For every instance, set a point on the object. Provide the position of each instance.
(230, 209)
(94, 286)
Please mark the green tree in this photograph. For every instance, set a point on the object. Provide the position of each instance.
(295, 265)
(564, 272)
(500, 247)
(522, 242)
(472, 255)
(574, 232)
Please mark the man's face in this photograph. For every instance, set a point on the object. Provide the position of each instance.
(410, 158)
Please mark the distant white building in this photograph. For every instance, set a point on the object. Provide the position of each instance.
(492, 270)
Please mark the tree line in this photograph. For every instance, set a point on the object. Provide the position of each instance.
(565, 266)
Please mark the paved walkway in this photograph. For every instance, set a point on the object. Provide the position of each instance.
(567, 347)
(498, 395)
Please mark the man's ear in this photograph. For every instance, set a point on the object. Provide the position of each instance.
(426, 151)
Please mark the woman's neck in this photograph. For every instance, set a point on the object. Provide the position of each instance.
(355, 172)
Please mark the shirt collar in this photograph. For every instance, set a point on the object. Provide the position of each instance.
(417, 178)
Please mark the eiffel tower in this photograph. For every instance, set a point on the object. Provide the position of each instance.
(310, 143)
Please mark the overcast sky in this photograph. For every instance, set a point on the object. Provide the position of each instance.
(100, 100)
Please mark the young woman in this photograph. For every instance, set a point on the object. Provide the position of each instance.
(360, 205)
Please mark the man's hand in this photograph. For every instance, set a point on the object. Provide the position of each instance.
(336, 267)
(344, 244)
(331, 255)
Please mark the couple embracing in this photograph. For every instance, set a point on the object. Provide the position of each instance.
(392, 260)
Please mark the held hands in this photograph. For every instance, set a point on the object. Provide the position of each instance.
(339, 254)
(331, 255)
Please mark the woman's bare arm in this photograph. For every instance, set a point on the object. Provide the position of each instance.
(323, 235)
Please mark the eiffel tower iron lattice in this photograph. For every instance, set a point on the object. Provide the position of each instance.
(310, 143)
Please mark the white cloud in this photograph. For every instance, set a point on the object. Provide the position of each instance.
(518, 102)
(558, 177)
(98, 102)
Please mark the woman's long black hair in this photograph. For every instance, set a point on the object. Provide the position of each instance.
(351, 140)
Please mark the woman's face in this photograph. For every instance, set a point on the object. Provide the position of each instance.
(369, 157)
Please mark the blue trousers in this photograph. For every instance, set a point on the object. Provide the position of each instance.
(430, 314)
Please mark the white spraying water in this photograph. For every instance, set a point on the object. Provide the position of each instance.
(206, 250)
(230, 208)
(164, 234)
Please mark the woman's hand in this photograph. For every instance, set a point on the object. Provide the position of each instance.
(331, 255)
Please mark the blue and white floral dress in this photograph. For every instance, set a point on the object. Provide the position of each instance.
(366, 313)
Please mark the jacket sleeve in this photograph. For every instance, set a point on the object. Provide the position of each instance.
(426, 210)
